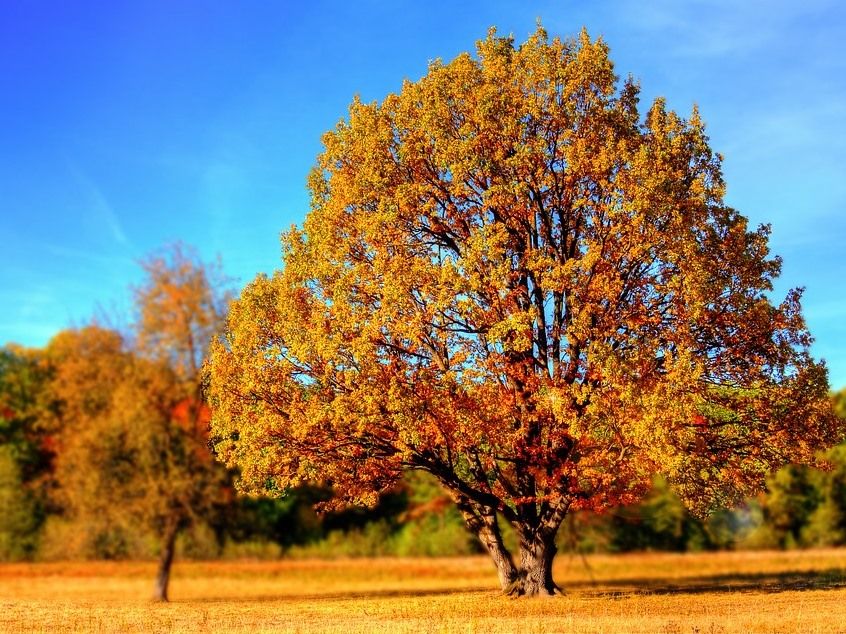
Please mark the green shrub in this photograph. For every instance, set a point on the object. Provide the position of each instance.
(19, 512)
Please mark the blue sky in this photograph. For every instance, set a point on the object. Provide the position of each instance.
(126, 126)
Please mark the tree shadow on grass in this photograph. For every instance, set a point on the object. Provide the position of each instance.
(386, 593)
(766, 582)
(829, 579)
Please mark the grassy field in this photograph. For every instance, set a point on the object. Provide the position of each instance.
(661, 593)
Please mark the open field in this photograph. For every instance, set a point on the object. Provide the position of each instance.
(663, 593)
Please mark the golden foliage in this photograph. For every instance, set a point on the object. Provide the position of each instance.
(180, 307)
(512, 280)
(129, 412)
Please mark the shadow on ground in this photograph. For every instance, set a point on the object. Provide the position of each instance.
(388, 593)
(833, 578)
(830, 579)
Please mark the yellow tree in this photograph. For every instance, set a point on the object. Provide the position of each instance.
(511, 280)
(133, 423)
(96, 489)
(180, 306)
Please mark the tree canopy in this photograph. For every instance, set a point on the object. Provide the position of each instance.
(26, 451)
(132, 419)
(513, 280)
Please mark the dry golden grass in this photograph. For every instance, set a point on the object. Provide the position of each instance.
(662, 593)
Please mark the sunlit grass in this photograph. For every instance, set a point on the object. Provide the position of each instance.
(799, 591)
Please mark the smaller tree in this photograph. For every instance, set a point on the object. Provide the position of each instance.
(134, 441)
(180, 306)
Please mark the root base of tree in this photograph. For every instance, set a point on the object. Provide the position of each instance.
(518, 589)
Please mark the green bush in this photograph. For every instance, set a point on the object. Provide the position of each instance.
(435, 535)
(19, 512)
(253, 549)
(372, 540)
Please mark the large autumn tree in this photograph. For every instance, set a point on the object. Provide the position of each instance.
(512, 280)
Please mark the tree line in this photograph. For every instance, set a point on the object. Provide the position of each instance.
(106, 430)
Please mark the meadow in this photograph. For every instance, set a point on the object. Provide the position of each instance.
(796, 591)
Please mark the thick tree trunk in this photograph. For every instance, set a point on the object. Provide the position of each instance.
(537, 543)
(165, 563)
(535, 575)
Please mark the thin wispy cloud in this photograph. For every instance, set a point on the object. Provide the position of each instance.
(32, 315)
(87, 256)
(98, 206)
(717, 28)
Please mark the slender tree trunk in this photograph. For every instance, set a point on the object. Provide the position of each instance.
(482, 522)
(165, 563)
(491, 539)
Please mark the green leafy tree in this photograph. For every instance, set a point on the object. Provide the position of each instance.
(659, 522)
(19, 510)
(26, 451)
(826, 524)
(791, 498)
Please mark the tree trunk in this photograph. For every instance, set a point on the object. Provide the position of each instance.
(482, 522)
(537, 544)
(535, 575)
(491, 539)
(165, 562)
